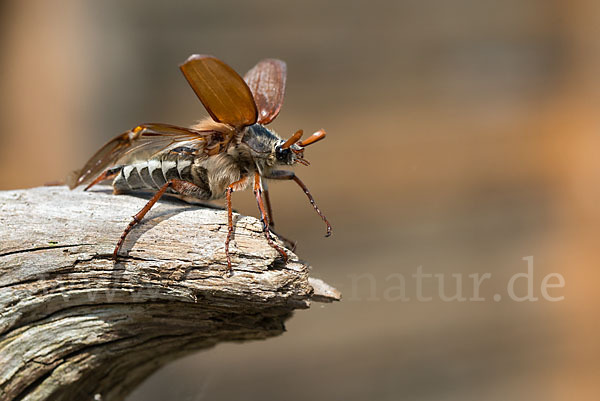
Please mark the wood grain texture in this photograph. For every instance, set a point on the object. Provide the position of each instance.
(76, 325)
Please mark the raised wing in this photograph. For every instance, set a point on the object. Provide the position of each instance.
(221, 90)
(266, 80)
(143, 142)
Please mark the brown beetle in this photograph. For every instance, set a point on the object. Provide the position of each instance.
(215, 157)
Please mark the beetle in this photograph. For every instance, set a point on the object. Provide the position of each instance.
(230, 151)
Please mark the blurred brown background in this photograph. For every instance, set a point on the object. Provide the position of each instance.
(463, 136)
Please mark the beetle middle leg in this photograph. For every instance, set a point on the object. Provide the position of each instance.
(230, 188)
(182, 187)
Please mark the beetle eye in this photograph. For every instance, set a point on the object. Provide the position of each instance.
(281, 154)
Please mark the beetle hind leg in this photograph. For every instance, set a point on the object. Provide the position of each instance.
(179, 186)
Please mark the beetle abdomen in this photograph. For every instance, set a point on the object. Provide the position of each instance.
(154, 173)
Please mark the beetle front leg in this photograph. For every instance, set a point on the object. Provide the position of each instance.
(264, 218)
(289, 243)
(289, 175)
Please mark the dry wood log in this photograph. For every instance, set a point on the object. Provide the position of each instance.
(76, 325)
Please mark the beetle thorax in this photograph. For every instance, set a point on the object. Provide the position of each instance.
(260, 139)
(260, 143)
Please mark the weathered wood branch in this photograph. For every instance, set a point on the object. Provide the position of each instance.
(74, 324)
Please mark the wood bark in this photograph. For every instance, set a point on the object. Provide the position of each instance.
(75, 324)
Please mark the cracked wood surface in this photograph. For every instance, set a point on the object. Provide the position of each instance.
(76, 325)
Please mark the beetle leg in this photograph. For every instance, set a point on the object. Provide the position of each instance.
(289, 243)
(289, 175)
(228, 192)
(265, 190)
(264, 218)
(183, 187)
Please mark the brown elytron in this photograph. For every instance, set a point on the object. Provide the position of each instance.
(214, 158)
